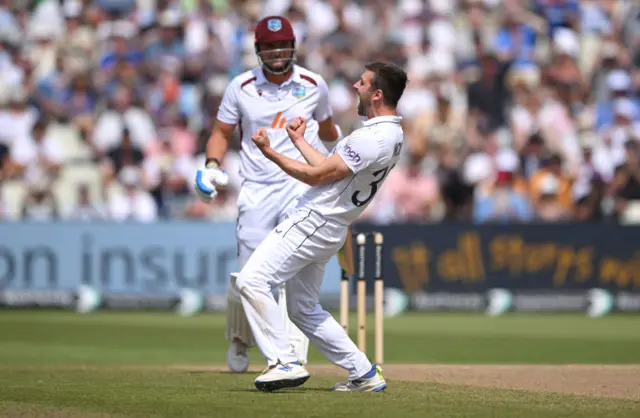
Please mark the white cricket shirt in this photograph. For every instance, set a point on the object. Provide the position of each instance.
(370, 152)
(253, 102)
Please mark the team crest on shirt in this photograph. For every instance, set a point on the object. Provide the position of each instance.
(299, 92)
(274, 25)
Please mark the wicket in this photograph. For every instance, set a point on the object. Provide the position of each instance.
(378, 304)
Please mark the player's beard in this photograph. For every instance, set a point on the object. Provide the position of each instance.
(278, 63)
(363, 105)
(277, 66)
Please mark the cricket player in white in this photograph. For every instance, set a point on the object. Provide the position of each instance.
(298, 249)
(269, 96)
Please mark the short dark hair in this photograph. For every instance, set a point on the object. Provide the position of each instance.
(389, 78)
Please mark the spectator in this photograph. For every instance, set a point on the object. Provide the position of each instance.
(533, 156)
(409, 194)
(37, 156)
(546, 77)
(125, 154)
(39, 203)
(526, 116)
(122, 114)
(473, 34)
(515, 40)
(549, 207)
(628, 182)
(586, 200)
(84, 209)
(135, 204)
(487, 97)
(503, 203)
(17, 118)
(597, 162)
(79, 103)
(78, 39)
(558, 13)
(120, 33)
(619, 84)
(551, 183)
(621, 129)
(170, 42)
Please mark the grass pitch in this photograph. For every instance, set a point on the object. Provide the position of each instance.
(61, 364)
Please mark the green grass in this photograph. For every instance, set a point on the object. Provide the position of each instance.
(61, 364)
(163, 338)
(149, 393)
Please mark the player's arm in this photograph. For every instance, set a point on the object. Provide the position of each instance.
(227, 119)
(219, 141)
(295, 130)
(331, 169)
(211, 175)
(328, 133)
(352, 155)
(310, 154)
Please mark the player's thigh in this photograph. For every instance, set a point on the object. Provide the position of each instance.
(258, 212)
(291, 246)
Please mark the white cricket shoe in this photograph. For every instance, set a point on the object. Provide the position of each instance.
(373, 381)
(281, 376)
(238, 357)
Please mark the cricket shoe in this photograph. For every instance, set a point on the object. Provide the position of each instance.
(370, 382)
(281, 376)
(238, 356)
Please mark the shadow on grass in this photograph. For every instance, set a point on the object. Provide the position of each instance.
(280, 391)
(223, 372)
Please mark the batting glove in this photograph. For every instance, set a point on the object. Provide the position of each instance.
(207, 179)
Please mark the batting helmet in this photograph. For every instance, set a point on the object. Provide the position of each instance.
(275, 29)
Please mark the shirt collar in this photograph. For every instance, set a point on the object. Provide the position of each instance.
(261, 79)
(381, 119)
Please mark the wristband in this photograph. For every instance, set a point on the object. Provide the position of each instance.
(212, 163)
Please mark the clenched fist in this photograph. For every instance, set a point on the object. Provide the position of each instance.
(296, 129)
(261, 139)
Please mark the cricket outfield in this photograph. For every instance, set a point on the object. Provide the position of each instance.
(117, 364)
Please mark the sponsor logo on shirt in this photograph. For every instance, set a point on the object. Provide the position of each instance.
(353, 155)
(278, 121)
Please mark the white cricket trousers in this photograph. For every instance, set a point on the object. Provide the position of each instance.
(260, 208)
(296, 253)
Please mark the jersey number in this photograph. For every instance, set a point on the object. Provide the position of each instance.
(379, 176)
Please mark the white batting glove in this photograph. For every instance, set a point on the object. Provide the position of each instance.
(207, 179)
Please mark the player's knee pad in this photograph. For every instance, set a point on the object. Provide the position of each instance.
(237, 325)
(243, 286)
(253, 284)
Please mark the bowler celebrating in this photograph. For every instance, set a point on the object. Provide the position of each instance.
(297, 250)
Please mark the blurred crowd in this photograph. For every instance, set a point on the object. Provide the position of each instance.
(516, 111)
